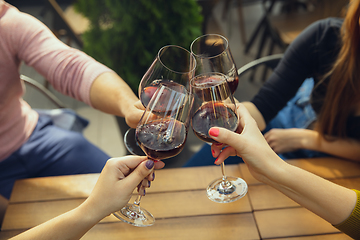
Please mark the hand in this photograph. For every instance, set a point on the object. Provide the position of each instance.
(285, 140)
(134, 113)
(247, 143)
(117, 182)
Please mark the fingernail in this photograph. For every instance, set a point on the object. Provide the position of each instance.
(216, 161)
(213, 152)
(153, 176)
(149, 183)
(149, 164)
(214, 132)
(144, 192)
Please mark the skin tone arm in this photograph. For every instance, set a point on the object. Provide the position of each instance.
(330, 201)
(112, 191)
(111, 94)
(286, 140)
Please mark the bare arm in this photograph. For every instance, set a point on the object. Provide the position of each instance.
(111, 94)
(255, 113)
(286, 140)
(330, 201)
(112, 191)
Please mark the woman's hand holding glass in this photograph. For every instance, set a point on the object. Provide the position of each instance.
(247, 140)
(214, 106)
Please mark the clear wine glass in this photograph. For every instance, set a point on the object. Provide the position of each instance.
(173, 66)
(212, 54)
(214, 106)
(161, 133)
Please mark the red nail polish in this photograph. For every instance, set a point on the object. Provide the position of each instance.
(213, 152)
(214, 132)
(216, 161)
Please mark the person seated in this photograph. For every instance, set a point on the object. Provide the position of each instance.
(112, 191)
(310, 106)
(338, 205)
(32, 145)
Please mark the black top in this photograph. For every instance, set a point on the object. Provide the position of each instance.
(310, 55)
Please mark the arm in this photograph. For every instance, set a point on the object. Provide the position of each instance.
(330, 201)
(285, 140)
(112, 191)
(111, 94)
(70, 71)
(256, 114)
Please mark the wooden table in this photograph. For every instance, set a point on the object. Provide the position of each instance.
(178, 201)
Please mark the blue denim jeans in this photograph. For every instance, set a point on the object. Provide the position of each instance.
(50, 151)
(297, 113)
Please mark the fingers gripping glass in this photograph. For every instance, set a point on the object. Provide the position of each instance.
(161, 134)
(214, 106)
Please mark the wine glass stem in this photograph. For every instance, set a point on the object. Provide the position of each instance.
(137, 200)
(223, 172)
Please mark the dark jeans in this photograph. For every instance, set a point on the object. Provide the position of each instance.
(50, 151)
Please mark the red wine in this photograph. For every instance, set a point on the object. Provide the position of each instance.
(149, 91)
(210, 88)
(162, 138)
(213, 114)
(233, 83)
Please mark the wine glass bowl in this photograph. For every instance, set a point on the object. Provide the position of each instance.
(214, 106)
(173, 66)
(212, 54)
(161, 133)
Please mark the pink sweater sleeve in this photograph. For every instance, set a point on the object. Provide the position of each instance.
(69, 70)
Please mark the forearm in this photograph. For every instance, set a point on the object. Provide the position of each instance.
(110, 93)
(332, 202)
(70, 225)
(344, 148)
(255, 113)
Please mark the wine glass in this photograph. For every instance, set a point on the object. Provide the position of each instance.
(212, 53)
(173, 66)
(214, 106)
(161, 133)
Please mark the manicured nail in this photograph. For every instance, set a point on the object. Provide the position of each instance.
(144, 192)
(153, 176)
(149, 164)
(213, 152)
(149, 183)
(214, 132)
(216, 161)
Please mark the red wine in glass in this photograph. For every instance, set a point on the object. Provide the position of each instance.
(162, 138)
(212, 114)
(212, 54)
(148, 91)
(214, 106)
(161, 133)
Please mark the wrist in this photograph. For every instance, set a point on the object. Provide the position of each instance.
(309, 140)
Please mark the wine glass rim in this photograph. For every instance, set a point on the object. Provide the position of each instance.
(224, 78)
(191, 56)
(206, 35)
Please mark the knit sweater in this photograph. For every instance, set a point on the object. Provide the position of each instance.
(24, 38)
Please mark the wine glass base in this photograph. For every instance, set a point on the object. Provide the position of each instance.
(135, 215)
(226, 191)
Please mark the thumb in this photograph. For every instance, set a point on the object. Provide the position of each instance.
(139, 173)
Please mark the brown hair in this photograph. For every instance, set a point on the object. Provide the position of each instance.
(343, 87)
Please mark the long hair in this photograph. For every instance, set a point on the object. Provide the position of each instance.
(343, 88)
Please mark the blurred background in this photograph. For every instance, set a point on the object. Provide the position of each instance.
(126, 35)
